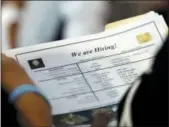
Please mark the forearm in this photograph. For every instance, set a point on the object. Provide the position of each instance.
(34, 110)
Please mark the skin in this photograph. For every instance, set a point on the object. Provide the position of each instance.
(13, 27)
(36, 115)
(101, 119)
(32, 108)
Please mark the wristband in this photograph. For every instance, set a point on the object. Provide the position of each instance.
(25, 88)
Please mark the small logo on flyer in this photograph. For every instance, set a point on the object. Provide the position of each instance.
(36, 63)
(143, 38)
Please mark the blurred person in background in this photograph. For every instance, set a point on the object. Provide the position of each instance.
(25, 107)
(141, 106)
(10, 17)
(46, 21)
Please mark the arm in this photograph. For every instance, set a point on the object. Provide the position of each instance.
(34, 110)
(13, 25)
(38, 115)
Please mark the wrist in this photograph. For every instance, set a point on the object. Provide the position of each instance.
(25, 89)
(37, 116)
(16, 83)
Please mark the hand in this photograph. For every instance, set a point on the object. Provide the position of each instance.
(13, 74)
(101, 119)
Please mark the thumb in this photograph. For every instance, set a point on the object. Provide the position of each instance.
(101, 119)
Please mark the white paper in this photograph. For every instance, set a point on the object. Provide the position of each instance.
(92, 71)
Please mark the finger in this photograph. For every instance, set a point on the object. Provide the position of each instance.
(6, 58)
(101, 119)
(3, 56)
(104, 111)
(103, 116)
